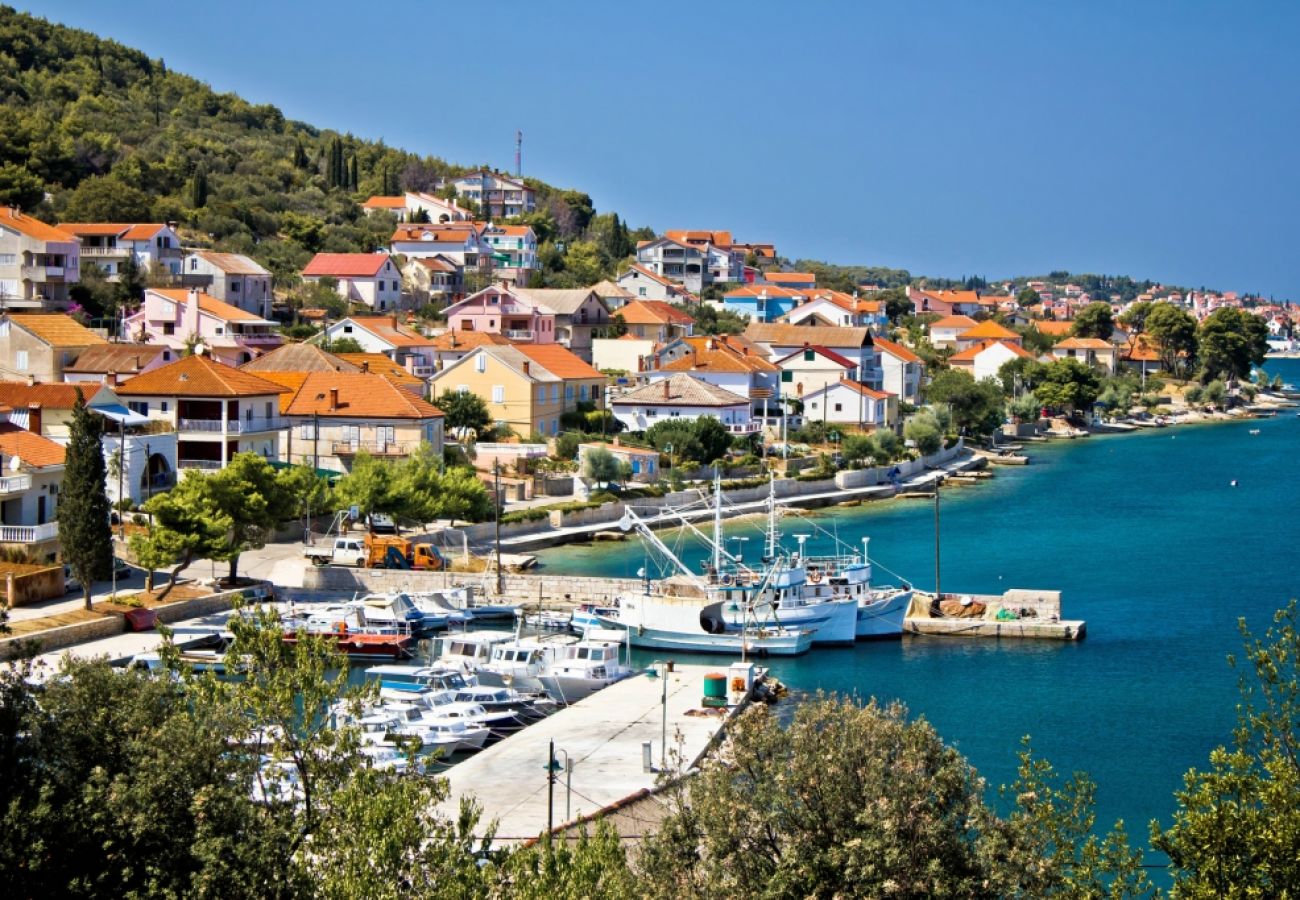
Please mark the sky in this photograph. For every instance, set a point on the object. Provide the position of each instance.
(1153, 139)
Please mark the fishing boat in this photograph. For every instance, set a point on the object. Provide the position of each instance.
(587, 666)
(417, 678)
(519, 663)
(353, 635)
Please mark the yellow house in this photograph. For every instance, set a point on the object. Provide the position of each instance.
(525, 386)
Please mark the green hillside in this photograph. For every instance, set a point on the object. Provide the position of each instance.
(112, 135)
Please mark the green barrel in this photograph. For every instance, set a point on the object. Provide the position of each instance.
(715, 686)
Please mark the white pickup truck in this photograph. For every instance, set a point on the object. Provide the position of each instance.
(345, 551)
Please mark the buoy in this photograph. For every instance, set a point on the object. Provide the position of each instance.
(1232, 483)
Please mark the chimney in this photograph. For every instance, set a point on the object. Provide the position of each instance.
(365, 367)
(111, 379)
(334, 399)
(665, 383)
(31, 380)
(527, 366)
(34, 418)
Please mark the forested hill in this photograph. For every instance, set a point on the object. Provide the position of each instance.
(115, 136)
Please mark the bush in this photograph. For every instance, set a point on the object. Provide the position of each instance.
(566, 445)
(923, 430)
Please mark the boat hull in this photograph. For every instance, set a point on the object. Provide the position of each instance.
(883, 618)
(833, 623)
(569, 689)
(365, 646)
(788, 644)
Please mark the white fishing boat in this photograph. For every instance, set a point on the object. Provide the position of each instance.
(469, 650)
(519, 663)
(585, 667)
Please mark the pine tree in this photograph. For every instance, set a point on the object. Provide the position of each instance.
(84, 529)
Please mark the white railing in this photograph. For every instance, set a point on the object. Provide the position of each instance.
(746, 428)
(209, 465)
(15, 484)
(519, 335)
(423, 371)
(42, 273)
(104, 251)
(232, 426)
(28, 534)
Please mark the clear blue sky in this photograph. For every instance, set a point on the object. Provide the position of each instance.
(1155, 139)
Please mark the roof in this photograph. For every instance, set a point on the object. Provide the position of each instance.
(468, 340)
(558, 360)
(30, 448)
(451, 232)
(898, 351)
(779, 277)
(1078, 343)
(1053, 327)
(379, 364)
(385, 203)
(988, 329)
(360, 394)
(508, 230)
(57, 329)
(618, 448)
(363, 265)
(1139, 349)
(47, 395)
(954, 322)
(822, 351)
(765, 290)
(387, 329)
(778, 335)
(666, 282)
(436, 263)
(231, 263)
(210, 305)
(717, 238)
(124, 230)
(561, 302)
(609, 288)
(298, 358)
(854, 386)
(22, 223)
(953, 296)
(969, 354)
(124, 359)
(653, 312)
(291, 381)
(197, 376)
(682, 390)
(719, 354)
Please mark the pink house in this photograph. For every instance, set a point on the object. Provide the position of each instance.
(533, 315)
(188, 320)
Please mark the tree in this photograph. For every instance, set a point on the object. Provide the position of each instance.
(600, 466)
(1234, 834)
(1028, 297)
(83, 513)
(976, 406)
(464, 411)
(107, 199)
(894, 302)
(19, 187)
(368, 487)
(342, 345)
(253, 500)
(700, 440)
(1096, 320)
(1067, 384)
(198, 187)
(923, 430)
(423, 491)
(1231, 341)
(1135, 317)
(1174, 333)
(186, 525)
(299, 154)
(861, 448)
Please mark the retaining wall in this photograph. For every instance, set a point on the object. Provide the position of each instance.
(551, 590)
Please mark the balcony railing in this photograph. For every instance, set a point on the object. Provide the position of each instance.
(744, 428)
(232, 426)
(519, 335)
(28, 534)
(423, 371)
(43, 273)
(258, 337)
(208, 465)
(15, 484)
(351, 448)
(105, 251)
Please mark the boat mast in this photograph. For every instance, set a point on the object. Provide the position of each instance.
(770, 553)
(717, 523)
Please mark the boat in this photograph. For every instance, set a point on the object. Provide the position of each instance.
(468, 651)
(548, 619)
(589, 615)
(396, 609)
(352, 635)
(519, 663)
(460, 603)
(417, 678)
(587, 666)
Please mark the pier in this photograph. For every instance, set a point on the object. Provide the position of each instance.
(602, 739)
(1014, 614)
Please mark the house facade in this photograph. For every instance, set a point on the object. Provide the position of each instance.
(643, 284)
(154, 248)
(901, 371)
(1090, 351)
(383, 334)
(643, 464)
(677, 262)
(38, 263)
(684, 397)
(656, 320)
(457, 241)
(538, 316)
(31, 479)
(232, 278)
(514, 252)
(190, 320)
(434, 279)
(371, 279)
(501, 196)
(944, 332)
(812, 368)
(725, 361)
(851, 403)
(856, 344)
(762, 303)
(983, 360)
(41, 346)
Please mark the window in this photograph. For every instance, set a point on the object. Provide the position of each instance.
(480, 363)
(20, 360)
(169, 327)
(498, 393)
(640, 292)
(555, 393)
(568, 393)
(555, 426)
(194, 264)
(167, 355)
(138, 406)
(307, 431)
(162, 407)
(839, 407)
(787, 377)
(462, 388)
(347, 329)
(221, 329)
(8, 259)
(385, 434)
(268, 409)
(541, 393)
(492, 323)
(582, 393)
(809, 355)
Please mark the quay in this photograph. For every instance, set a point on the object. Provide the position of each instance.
(602, 739)
(1013, 614)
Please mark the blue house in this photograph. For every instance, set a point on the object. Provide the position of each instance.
(762, 302)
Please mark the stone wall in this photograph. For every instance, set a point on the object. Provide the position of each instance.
(31, 584)
(64, 636)
(559, 590)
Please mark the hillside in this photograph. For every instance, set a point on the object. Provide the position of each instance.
(112, 135)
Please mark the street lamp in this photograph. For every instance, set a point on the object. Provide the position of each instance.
(553, 766)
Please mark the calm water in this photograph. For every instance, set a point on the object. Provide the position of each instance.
(1149, 543)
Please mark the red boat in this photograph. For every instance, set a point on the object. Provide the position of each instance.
(363, 644)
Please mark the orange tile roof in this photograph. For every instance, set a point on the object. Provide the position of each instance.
(778, 277)
(990, 330)
(969, 354)
(1053, 327)
(34, 228)
(954, 322)
(1139, 349)
(457, 232)
(360, 395)
(379, 364)
(198, 376)
(897, 350)
(355, 265)
(468, 340)
(557, 360)
(57, 329)
(48, 395)
(853, 386)
(231, 263)
(124, 359)
(387, 328)
(32, 449)
(716, 238)
(766, 290)
(92, 229)
(385, 203)
(653, 312)
(837, 337)
(289, 380)
(718, 354)
(208, 304)
(1077, 343)
(510, 230)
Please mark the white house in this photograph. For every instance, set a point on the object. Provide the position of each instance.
(901, 371)
(154, 248)
(780, 340)
(675, 261)
(457, 241)
(232, 278)
(813, 368)
(514, 252)
(687, 398)
(944, 332)
(436, 208)
(503, 196)
(644, 284)
(383, 334)
(983, 360)
(368, 278)
(1090, 351)
(850, 403)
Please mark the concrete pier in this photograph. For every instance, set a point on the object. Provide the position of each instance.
(603, 737)
(1027, 614)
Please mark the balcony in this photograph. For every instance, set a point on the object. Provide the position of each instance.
(43, 273)
(207, 465)
(28, 534)
(750, 427)
(519, 335)
(258, 337)
(105, 251)
(352, 448)
(423, 371)
(232, 426)
(15, 484)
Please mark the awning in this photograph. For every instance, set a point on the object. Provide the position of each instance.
(120, 414)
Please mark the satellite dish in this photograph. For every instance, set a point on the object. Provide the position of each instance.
(640, 573)
(625, 523)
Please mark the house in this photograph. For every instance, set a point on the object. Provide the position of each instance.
(812, 368)
(333, 416)
(643, 464)
(370, 279)
(459, 242)
(435, 209)
(849, 402)
(988, 330)
(945, 303)
(525, 386)
(645, 284)
(379, 364)
(38, 263)
(682, 263)
(215, 410)
(723, 261)
(232, 278)
(45, 408)
(1090, 351)
(983, 360)
(725, 361)
(514, 252)
(33, 469)
(684, 397)
(762, 255)
(534, 315)
(628, 353)
(1054, 328)
(501, 196)
(901, 371)
(154, 248)
(382, 334)
(827, 307)
(436, 279)
(799, 281)
(778, 340)
(943, 332)
(613, 296)
(187, 320)
(762, 303)
(42, 345)
(656, 320)
(109, 363)
(394, 205)
(299, 358)
(452, 345)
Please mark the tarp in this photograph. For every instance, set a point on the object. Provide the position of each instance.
(120, 414)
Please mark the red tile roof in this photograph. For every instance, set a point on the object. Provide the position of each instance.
(359, 395)
(954, 322)
(897, 350)
(988, 329)
(799, 277)
(557, 360)
(30, 448)
(385, 203)
(969, 354)
(653, 312)
(34, 228)
(208, 304)
(346, 265)
(48, 395)
(829, 354)
(197, 376)
(1076, 343)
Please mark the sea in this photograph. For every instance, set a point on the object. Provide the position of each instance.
(1162, 540)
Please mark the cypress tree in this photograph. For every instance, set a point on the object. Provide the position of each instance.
(352, 173)
(84, 529)
(299, 154)
(199, 187)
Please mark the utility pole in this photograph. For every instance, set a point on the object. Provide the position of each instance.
(937, 594)
(496, 518)
(550, 792)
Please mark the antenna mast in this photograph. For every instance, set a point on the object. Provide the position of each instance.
(519, 154)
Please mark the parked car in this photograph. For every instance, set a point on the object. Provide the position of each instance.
(71, 584)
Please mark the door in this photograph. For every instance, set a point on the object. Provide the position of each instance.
(40, 510)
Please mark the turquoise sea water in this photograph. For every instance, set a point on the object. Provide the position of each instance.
(1150, 544)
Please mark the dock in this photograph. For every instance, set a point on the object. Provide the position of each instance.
(603, 737)
(1013, 614)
